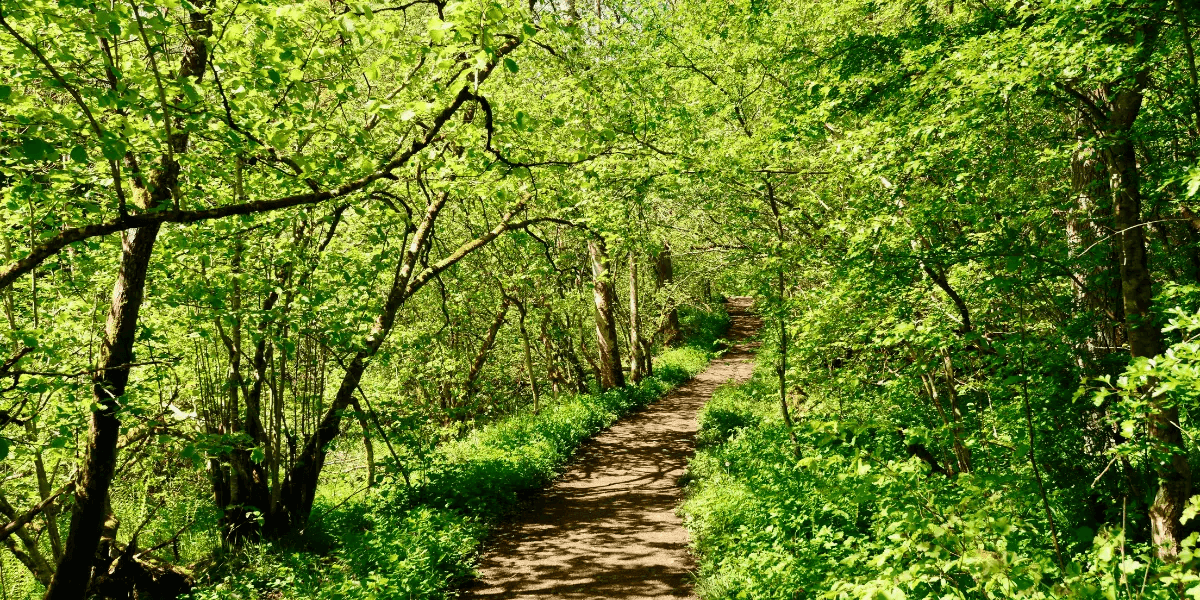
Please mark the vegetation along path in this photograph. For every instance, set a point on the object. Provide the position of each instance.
(608, 528)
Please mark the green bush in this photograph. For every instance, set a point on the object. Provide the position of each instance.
(704, 328)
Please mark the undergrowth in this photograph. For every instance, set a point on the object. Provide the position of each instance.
(847, 512)
(420, 540)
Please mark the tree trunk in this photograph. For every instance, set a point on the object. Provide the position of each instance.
(566, 351)
(247, 488)
(1096, 260)
(782, 367)
(300, 485)
(960, 448)
(554, 374)
(485, 349)
(637, 366)
(74, 571)
(361, 415)
(529, 362)
(1144, 335)
(45, 493)
(246, 493)
(606, 326)
(664, 276)
(31, 556)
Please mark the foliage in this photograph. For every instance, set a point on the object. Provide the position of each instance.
(850, 513)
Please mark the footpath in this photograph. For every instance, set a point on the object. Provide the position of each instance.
(607, 528)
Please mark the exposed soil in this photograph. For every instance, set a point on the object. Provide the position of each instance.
(607, 528)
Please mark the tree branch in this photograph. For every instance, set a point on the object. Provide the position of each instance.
(52, 246)
(32, 513)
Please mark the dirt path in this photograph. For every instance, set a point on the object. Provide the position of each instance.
(607, 528)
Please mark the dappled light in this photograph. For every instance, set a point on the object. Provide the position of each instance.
(607, 528)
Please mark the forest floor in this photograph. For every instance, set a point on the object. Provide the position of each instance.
(608, 527)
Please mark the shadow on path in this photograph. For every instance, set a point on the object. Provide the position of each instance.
(607, 528)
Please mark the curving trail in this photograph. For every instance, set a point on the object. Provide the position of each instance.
(607, 528)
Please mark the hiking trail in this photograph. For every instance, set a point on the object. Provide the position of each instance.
(608, 528)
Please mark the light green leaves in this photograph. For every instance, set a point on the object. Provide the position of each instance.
(438, 30)
(1191, 510)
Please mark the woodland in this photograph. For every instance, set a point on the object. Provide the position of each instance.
(300, 297)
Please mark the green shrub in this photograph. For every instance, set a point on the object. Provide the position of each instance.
(704, 329)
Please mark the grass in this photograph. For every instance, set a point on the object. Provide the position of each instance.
(421, 541)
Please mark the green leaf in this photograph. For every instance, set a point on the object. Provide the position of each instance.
(511, 65)
(36, 148)
(1190, 511)
(113, 148)
(5, 92)
(79, 154)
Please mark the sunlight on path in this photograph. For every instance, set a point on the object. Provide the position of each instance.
(607, 528)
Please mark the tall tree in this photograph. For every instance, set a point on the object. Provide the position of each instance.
(611, 375)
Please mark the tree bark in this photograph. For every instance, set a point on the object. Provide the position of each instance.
(32, 556)
(300, 484)
(1144, 335)
(74, 571)
(247, 488)
(606, 326)
(637, 366)
(246, 492)
(485, 349)
(782, 367)
(960, 448)
(664, 276)
(529, 361)
(299, 487)
(361, 415)
(553, 373)
(1096, 260)
(46, 494)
